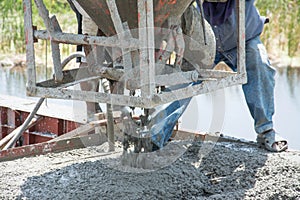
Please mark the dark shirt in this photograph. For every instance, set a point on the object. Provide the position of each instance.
(226, 30)
(218, 12)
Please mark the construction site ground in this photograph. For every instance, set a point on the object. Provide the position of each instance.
(203, 170)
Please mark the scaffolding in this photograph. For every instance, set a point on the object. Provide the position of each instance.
(144, 64)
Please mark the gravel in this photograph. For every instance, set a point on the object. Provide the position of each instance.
(181, 171)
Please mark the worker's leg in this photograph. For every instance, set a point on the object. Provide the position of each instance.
(259, 90)
(165, 118)
(166, 121)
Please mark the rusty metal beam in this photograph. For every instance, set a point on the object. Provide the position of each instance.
(96, 139)
(47, 147)
(32, 123)
(24, 126)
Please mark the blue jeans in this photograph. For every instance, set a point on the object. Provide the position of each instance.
(165, 117)
(258, 91)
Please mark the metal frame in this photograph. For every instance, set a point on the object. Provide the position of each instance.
(213, 79)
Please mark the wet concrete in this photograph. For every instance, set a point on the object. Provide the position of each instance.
(202, 171)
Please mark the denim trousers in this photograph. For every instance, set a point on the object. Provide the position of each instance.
(258, 91)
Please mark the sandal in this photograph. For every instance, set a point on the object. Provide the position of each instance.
(271, 141)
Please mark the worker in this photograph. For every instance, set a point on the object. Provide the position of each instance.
(259, 90)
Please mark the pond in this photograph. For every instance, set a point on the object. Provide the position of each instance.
(236, 120)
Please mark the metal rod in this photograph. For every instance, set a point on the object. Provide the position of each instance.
(44, 13)
(241, 37)
(168, 79)
(121, 34)
(29, 39)
(70, 57)
(143, 102)
(56, 52)
(202, 20)
(110, 118)
(77, 39)
(150, 46)
(24, 126)
(52, 26)
(146, 76)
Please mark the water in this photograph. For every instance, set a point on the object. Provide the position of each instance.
(236, 122)
(13, 80)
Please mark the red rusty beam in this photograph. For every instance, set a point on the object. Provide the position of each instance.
(47, 147)
(96, 139)
(51, 125)
(10, 119)
(6, 139)
(3, 121)
(69, 126)
(3, 116)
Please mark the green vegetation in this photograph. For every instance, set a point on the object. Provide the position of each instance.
(283, 32)
(281, 35)
(12, 30)
(12, 23)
